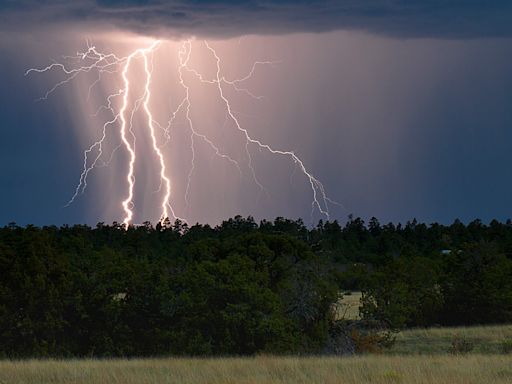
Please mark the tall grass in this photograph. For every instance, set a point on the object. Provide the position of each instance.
(364, 369)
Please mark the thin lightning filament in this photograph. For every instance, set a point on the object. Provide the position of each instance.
(94, 61)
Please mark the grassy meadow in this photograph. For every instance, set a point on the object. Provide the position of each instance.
(485, 339)
(375, 369)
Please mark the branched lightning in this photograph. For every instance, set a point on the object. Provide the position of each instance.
(129, 147)
(121, 110)
(318, 190)
(184, 58)
(165, 202)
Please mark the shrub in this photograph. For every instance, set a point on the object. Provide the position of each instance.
(348, 337)
(366, 342)
(461, 345)
(372, 340)
(506, 347)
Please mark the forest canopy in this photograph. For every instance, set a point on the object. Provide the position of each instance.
(242, 287)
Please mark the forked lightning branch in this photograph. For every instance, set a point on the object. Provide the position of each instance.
(99, 63)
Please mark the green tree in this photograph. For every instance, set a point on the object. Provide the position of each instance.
(405, 292)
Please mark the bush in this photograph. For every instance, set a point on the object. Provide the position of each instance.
(461, 345)
(348, 337)
(506, 347)
(366, 342)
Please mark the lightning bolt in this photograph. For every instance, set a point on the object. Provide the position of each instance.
(320, 198)
(166, 181)
(184, 58)
(92, 60)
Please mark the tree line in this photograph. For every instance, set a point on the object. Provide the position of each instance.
(241, 287)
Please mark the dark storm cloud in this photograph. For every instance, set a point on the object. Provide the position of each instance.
(225, 18)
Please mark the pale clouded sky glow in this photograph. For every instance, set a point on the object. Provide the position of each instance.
(401, 111)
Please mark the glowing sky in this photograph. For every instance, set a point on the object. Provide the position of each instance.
(401, 109)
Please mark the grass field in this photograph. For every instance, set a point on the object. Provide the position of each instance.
(485, 339)
(366, 369)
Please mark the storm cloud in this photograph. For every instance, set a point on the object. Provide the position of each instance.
(401, 108)
(446, 19)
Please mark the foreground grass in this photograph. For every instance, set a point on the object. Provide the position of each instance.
(485, 339)
(364, 369)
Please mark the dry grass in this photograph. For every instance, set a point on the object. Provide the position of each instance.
(486, 339)
(348, 307)
(365, 369)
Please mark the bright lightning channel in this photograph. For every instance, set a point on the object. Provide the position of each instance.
(93, 60)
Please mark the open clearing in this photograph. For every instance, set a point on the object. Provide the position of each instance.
(485, 339)
(348, 307)
(365, 369)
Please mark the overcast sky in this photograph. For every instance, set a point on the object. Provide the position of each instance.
(401, 108)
